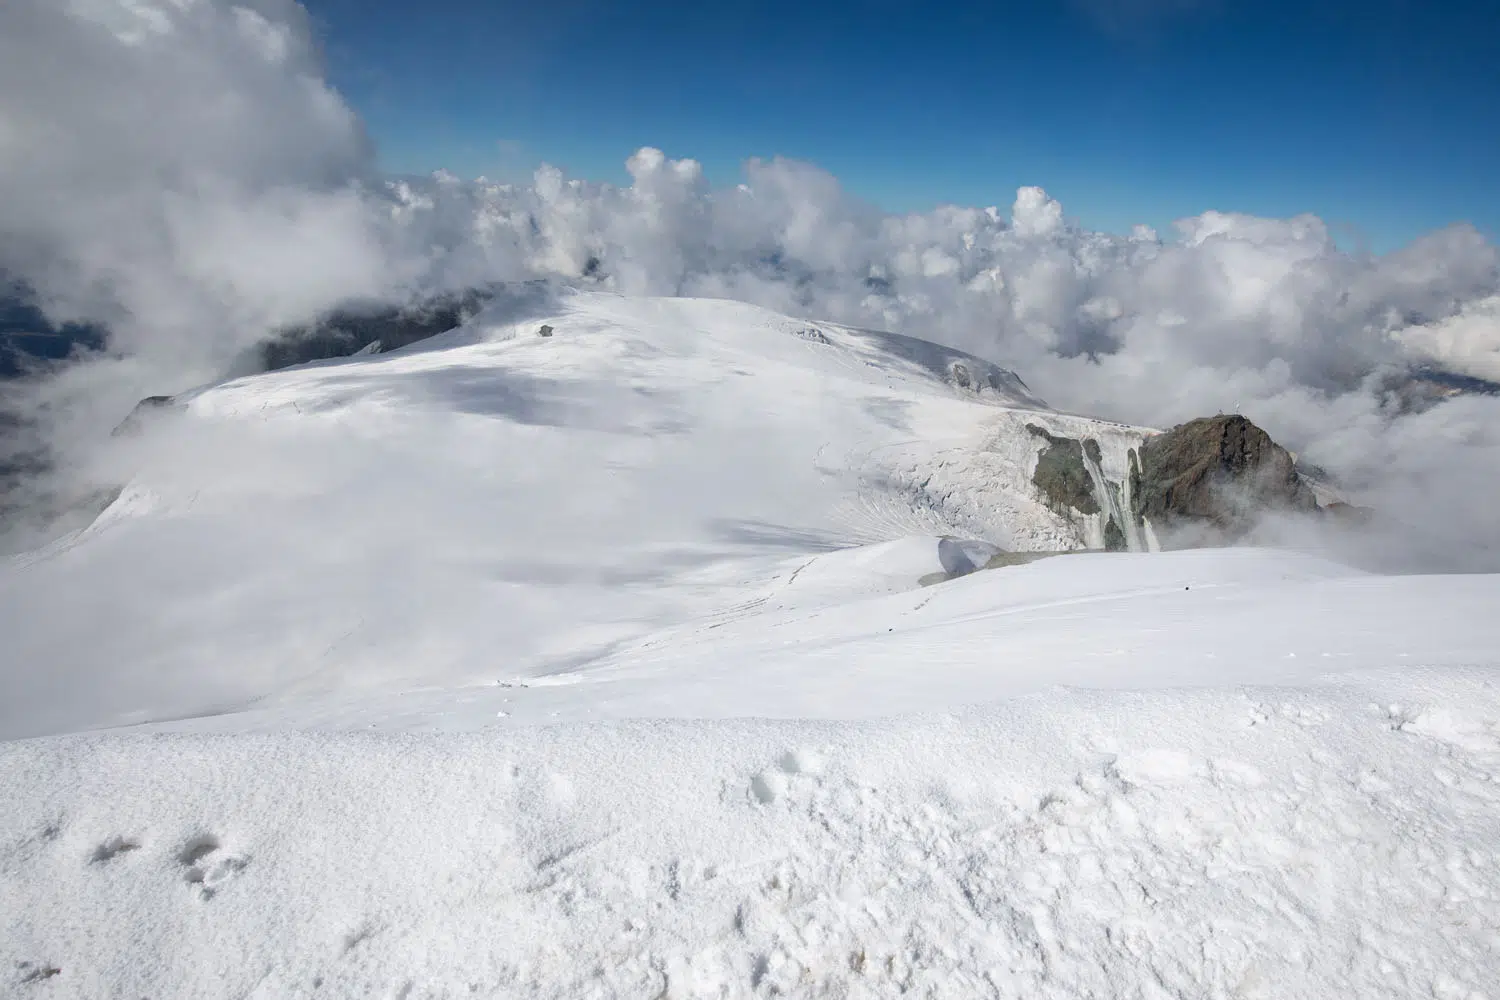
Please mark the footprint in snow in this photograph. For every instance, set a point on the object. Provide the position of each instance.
(770, 784)
(32, 972)
(206, 868)
(112, 848)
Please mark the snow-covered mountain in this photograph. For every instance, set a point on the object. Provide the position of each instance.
(497, 503)
(612, 646)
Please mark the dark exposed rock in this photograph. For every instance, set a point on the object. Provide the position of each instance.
(980, 377)
(544, 331)
(352, 329)
(143, 410)
(1000, 560)
(812, 335)
(1061, 475)
(1210, 480)
(32, 973)
(1420, 388)
(1114, 537)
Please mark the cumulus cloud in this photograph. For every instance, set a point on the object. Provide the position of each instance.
(179, 169)
(1467, 342)
(193, 180)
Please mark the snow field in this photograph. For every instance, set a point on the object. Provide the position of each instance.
(488, 503)
(1263, 842)
(601, 665)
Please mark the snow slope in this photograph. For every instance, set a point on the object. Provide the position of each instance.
(601, 664)
(492, 503)
(837, 638)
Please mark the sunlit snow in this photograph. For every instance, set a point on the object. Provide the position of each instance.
(623, 662)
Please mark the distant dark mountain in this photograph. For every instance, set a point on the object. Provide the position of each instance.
(28, 337)
(374, 327)
(28, 340)
(1422, 387)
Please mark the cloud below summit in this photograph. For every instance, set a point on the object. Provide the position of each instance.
(194, 181)
(179, 169)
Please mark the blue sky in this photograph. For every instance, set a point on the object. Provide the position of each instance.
(1382, 117)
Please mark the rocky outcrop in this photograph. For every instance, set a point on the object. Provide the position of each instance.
(1114, 537)
(135, 419)
(1071, 479)
(1061, 475)
(1209, 481)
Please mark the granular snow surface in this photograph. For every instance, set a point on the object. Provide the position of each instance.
(1338, 840)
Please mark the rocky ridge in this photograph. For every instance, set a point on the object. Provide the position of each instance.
(1210, 481)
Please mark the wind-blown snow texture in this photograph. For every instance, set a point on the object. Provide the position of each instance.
(1269, 842)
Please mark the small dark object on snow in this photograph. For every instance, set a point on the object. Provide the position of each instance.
(545, 331)
(31, 974)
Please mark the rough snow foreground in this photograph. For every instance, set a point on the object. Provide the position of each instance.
(1338, 840)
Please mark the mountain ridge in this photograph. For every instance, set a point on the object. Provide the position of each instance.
(643, 463)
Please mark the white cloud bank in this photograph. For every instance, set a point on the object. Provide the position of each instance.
(182, 170)
(178, 166)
